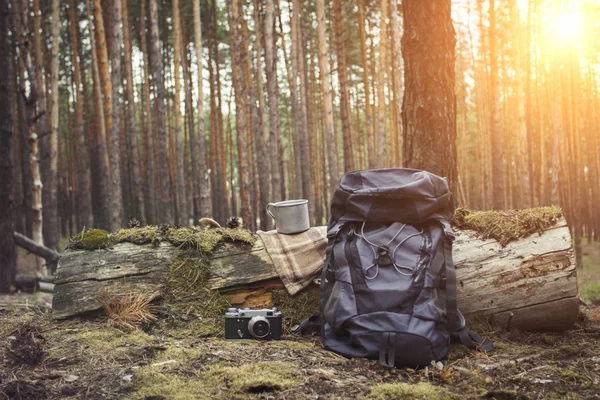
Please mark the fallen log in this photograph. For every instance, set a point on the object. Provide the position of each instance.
(529, 283)
(48, 254)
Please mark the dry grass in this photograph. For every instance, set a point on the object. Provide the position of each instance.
(130, 310)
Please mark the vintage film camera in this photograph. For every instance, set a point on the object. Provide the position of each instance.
(245, 323)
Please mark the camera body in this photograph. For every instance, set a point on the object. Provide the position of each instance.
(245, 323)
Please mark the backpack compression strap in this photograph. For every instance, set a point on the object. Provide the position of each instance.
(456, 323)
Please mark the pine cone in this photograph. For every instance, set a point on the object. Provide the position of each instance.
(233, 222)
(134, 223)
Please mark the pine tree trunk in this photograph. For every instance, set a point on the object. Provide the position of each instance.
(199, 168)
(84, 205)
(397, 69)
(498, 157)
(365, 75)
(149, 148)
(381, 141)
(101, 219)
(326, 89)
(429, 107)
(34, 110)
(278, 192)
(241, 99)
(263, 134)
(305, 156)
(8, 255)
(51, 146)
(156, 63)
(343, 79)
(116, 198)
(182, 210)
(139, 211)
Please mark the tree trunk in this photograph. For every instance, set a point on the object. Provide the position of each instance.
(34, 111)
(278, 192)
(365, 75)
(397, 68)
(139, 211)
(84, 210)
(8, 255)
(156, 61)
(326, 89)
(343, 78)
(149, 148)
(182, 209)
(241, 99)
(101, 150)
(533, 278)
(263, 134)
(116, 198)
(305, 155)
(498, 160)
(429, 107)
(201, 194)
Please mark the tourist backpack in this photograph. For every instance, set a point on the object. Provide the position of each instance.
(388, 287)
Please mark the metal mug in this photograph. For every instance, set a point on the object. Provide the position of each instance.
(291, 216)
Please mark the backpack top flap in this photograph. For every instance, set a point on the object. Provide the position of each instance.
(404, 195)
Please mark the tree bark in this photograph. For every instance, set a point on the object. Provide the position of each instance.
(116, 197)
(241, 99)
(166, 214)
(343, 78)
(149, 148)
(305, 155)
(8, 255)
(34, 111)
(201, 189)
(371, 156)
(182, 209)
(101, 143)
(50, 153)
(498, 160)
(263, 134)
(326, 89)
(397, 68)
(139, 211)
(84, 205)
(382, 142)
(429, 107)
(278, 191)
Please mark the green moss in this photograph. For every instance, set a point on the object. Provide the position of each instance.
(91, 240)
(417, 391)
(206, 240)
(194, 307)
(152, 381)
(296, 308)
(100, 342)
(144, 235)
(254, 377)
(509, 225)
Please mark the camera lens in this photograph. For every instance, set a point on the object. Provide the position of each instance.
(259, 327)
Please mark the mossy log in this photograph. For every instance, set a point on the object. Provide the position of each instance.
(529, 284)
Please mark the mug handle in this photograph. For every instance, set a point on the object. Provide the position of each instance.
(269, 210)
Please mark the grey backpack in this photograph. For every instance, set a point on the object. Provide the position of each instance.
(388, 288)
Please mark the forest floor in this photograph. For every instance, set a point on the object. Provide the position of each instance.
(85, 358)
(46, 359)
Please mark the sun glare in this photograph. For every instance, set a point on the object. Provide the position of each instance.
(565, 28)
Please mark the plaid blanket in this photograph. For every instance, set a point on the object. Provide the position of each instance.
(298, 258)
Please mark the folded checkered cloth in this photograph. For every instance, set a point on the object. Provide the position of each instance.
(298, 258)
